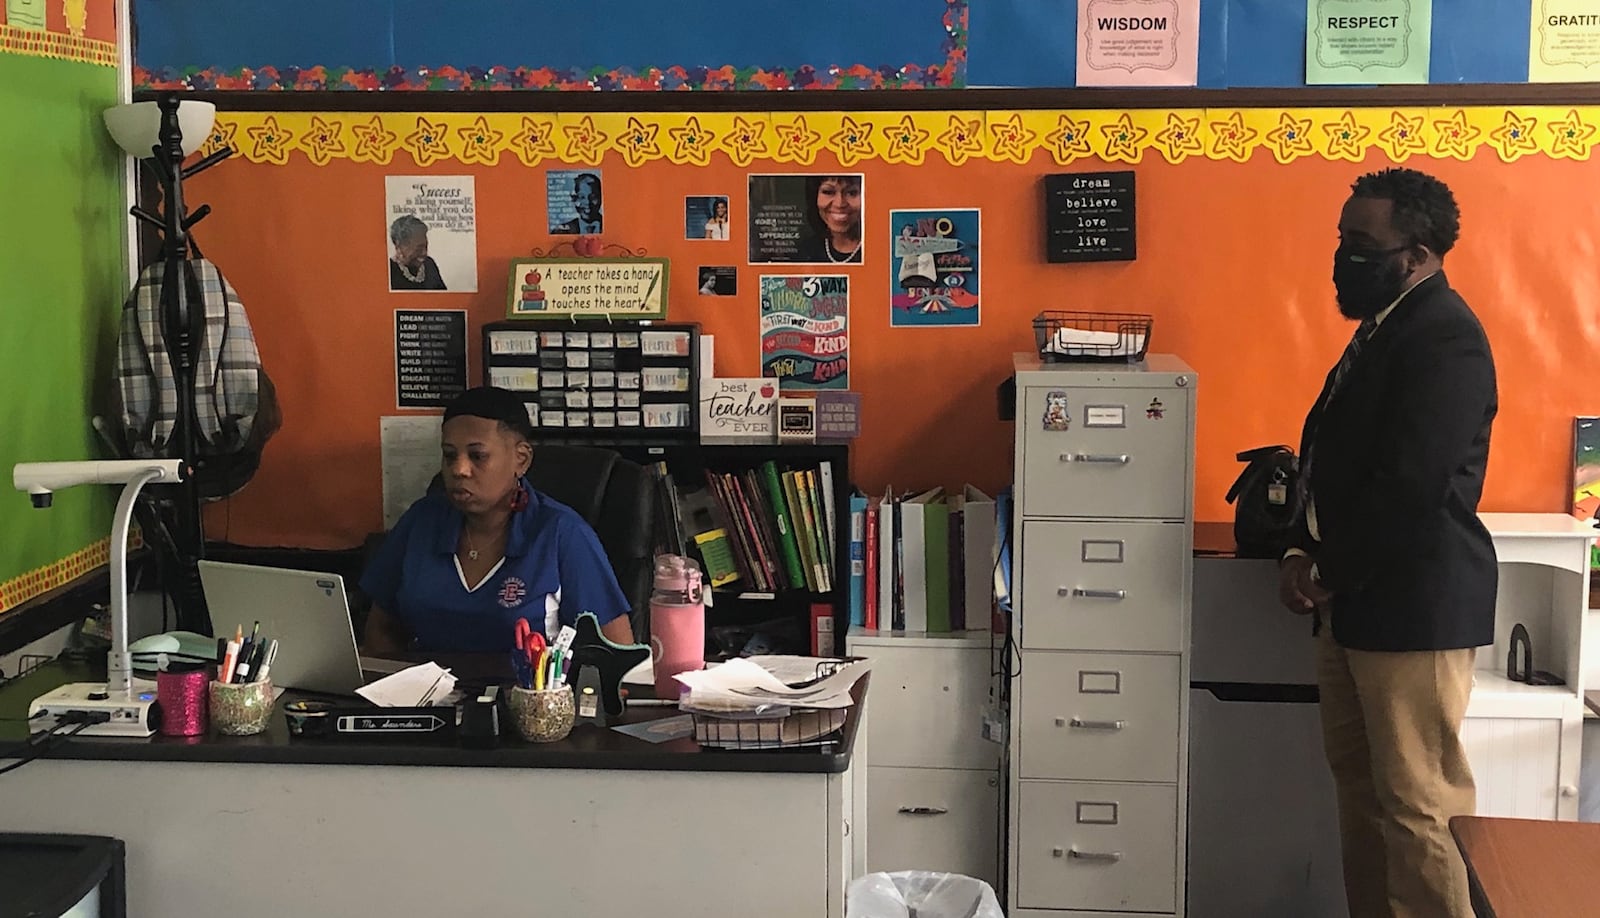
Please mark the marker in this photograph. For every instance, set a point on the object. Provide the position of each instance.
(230, 659)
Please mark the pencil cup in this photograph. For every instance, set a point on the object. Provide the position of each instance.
(542, 715)
(241, 709)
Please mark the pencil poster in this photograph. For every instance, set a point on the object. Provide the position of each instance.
(805, 339)
(934, 273)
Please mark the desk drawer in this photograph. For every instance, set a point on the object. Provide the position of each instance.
(1110, 847)
(1103, 586)
(934, 819)
(1100, 716)
(1119, 455)
(927, 707)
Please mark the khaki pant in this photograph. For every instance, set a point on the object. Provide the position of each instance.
(1391, 727)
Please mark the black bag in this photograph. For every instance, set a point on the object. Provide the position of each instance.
(1266, 501)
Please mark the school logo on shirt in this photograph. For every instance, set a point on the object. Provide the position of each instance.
(512, 592)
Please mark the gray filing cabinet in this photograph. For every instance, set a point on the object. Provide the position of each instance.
(1102, 554)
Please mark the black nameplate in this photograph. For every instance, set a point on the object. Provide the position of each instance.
(1089, 216)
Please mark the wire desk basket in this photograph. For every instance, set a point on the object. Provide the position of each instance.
(775, 725)
(1065, 336)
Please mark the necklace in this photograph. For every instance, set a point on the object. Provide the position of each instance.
(472, 550)
(416, 278)
(827, 244)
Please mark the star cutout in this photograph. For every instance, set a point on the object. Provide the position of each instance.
(1514, 136)
(585, 142)
(1573, 137)
(221, 136)
(428, 142)
(1456, 135)
(271, 142)
(1291, 138)
(692, 143)
(1345, 137)
(323, 140)
(1069, 141)
(961, 139)
(797, 142)
(535, 141)
(374, 142)
(1012, 139)
(745, 140)
(1123, 139)
(1233, 138)
(1404, 136)
(638, 142)
(906, 142)
(852, 141)
(1180, 137)
(482, 142)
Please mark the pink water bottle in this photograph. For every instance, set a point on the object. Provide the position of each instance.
(677, 622)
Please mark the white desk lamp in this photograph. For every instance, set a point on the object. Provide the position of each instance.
(129, 713)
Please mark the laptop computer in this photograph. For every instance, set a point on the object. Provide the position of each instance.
(307, 612)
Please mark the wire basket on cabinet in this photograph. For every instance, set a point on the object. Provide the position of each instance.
(1071, 336)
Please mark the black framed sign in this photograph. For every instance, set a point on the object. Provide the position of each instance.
(1089, 216)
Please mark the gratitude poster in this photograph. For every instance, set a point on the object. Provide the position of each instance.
(1368, 41)
(1564, 42)
(1138, 42)
(805, 336)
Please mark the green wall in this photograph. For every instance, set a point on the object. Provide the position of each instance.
(61, 288)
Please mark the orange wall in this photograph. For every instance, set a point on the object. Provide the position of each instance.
(1234, 263)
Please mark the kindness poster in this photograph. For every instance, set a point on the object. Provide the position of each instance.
(1368, 41)
(805, 337)
(934, 272)
(1564, 42)
(1138, 42)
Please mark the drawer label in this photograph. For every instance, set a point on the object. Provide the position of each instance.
(1056, 415)
(1105, 416)
(1102, 551)
(1095, 813)
(1099, 682)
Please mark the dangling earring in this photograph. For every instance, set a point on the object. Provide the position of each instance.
(519, 498)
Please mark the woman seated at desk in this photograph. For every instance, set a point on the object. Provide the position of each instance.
(468, 560)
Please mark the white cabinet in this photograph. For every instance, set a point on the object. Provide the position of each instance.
(928, 797)
(1097, 758)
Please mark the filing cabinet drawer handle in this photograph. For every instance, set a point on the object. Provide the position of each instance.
(1104, 857)
(1092, 594)
(1082, 724)
(924, 810)
(1120, 459)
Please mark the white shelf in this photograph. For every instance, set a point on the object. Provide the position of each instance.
(973, 638)
(1493, 695)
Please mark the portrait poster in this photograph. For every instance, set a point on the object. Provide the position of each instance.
(1564, 42)
(933, 276)
(707, 216)
(812, 219)
(805, 335)
(719, 280)
(1138, 42)
(432, 223)
(1368, 41)
(574, 202)
(1586, 468)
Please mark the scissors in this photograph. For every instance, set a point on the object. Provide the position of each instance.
(528, 656)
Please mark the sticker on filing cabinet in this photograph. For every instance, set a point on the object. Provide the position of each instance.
(1156, 411)
(1095, 813)
(1105, 416)
(1099, 682)
(1056, 416)
(1102, 551)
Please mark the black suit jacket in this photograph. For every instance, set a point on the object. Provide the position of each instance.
(1400, 454)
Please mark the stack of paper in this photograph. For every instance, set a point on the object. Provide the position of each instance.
(416, 687)
(769, 686)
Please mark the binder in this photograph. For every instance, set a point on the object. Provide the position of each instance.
(980, 549)
(915, 557)
(788, 548)
(873, 506)
(858, 559)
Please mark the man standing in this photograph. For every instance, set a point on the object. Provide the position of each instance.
(586, 201)
(1391, 557)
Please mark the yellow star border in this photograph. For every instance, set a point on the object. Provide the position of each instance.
(852, 139)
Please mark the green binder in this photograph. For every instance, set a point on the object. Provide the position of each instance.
(780, 513)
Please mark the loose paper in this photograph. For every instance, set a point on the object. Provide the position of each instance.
(417, 687)
(805, 340)
(446, 207)
(1368, 41)
(1138, 42)
(410, 449)
(1564, 42)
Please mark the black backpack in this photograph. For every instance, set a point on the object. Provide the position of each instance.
(1266, 501)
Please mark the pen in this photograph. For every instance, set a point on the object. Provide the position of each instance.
(266, 663)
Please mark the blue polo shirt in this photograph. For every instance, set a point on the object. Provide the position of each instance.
(553, 562)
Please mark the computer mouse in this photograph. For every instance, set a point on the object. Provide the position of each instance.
(155, 643)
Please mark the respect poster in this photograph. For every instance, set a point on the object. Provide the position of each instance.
(934, 272)
(805, 335)
(1564, 42)
(1368, 41)
(1138, 42)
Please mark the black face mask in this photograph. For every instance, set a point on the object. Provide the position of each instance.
(1367, 281)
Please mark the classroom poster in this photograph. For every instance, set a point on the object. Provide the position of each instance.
(574, 202)
(432, 223)
(933, 277)
(707, 216)
(805, 337)
(1138, 42)
(1564, 42)
(806, 219)
(1586, 468)
(1368, 41)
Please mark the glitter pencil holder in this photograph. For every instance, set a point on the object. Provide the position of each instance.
(241, 709)
(542, 715)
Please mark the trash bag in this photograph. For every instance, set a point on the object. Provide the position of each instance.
(920, 894)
